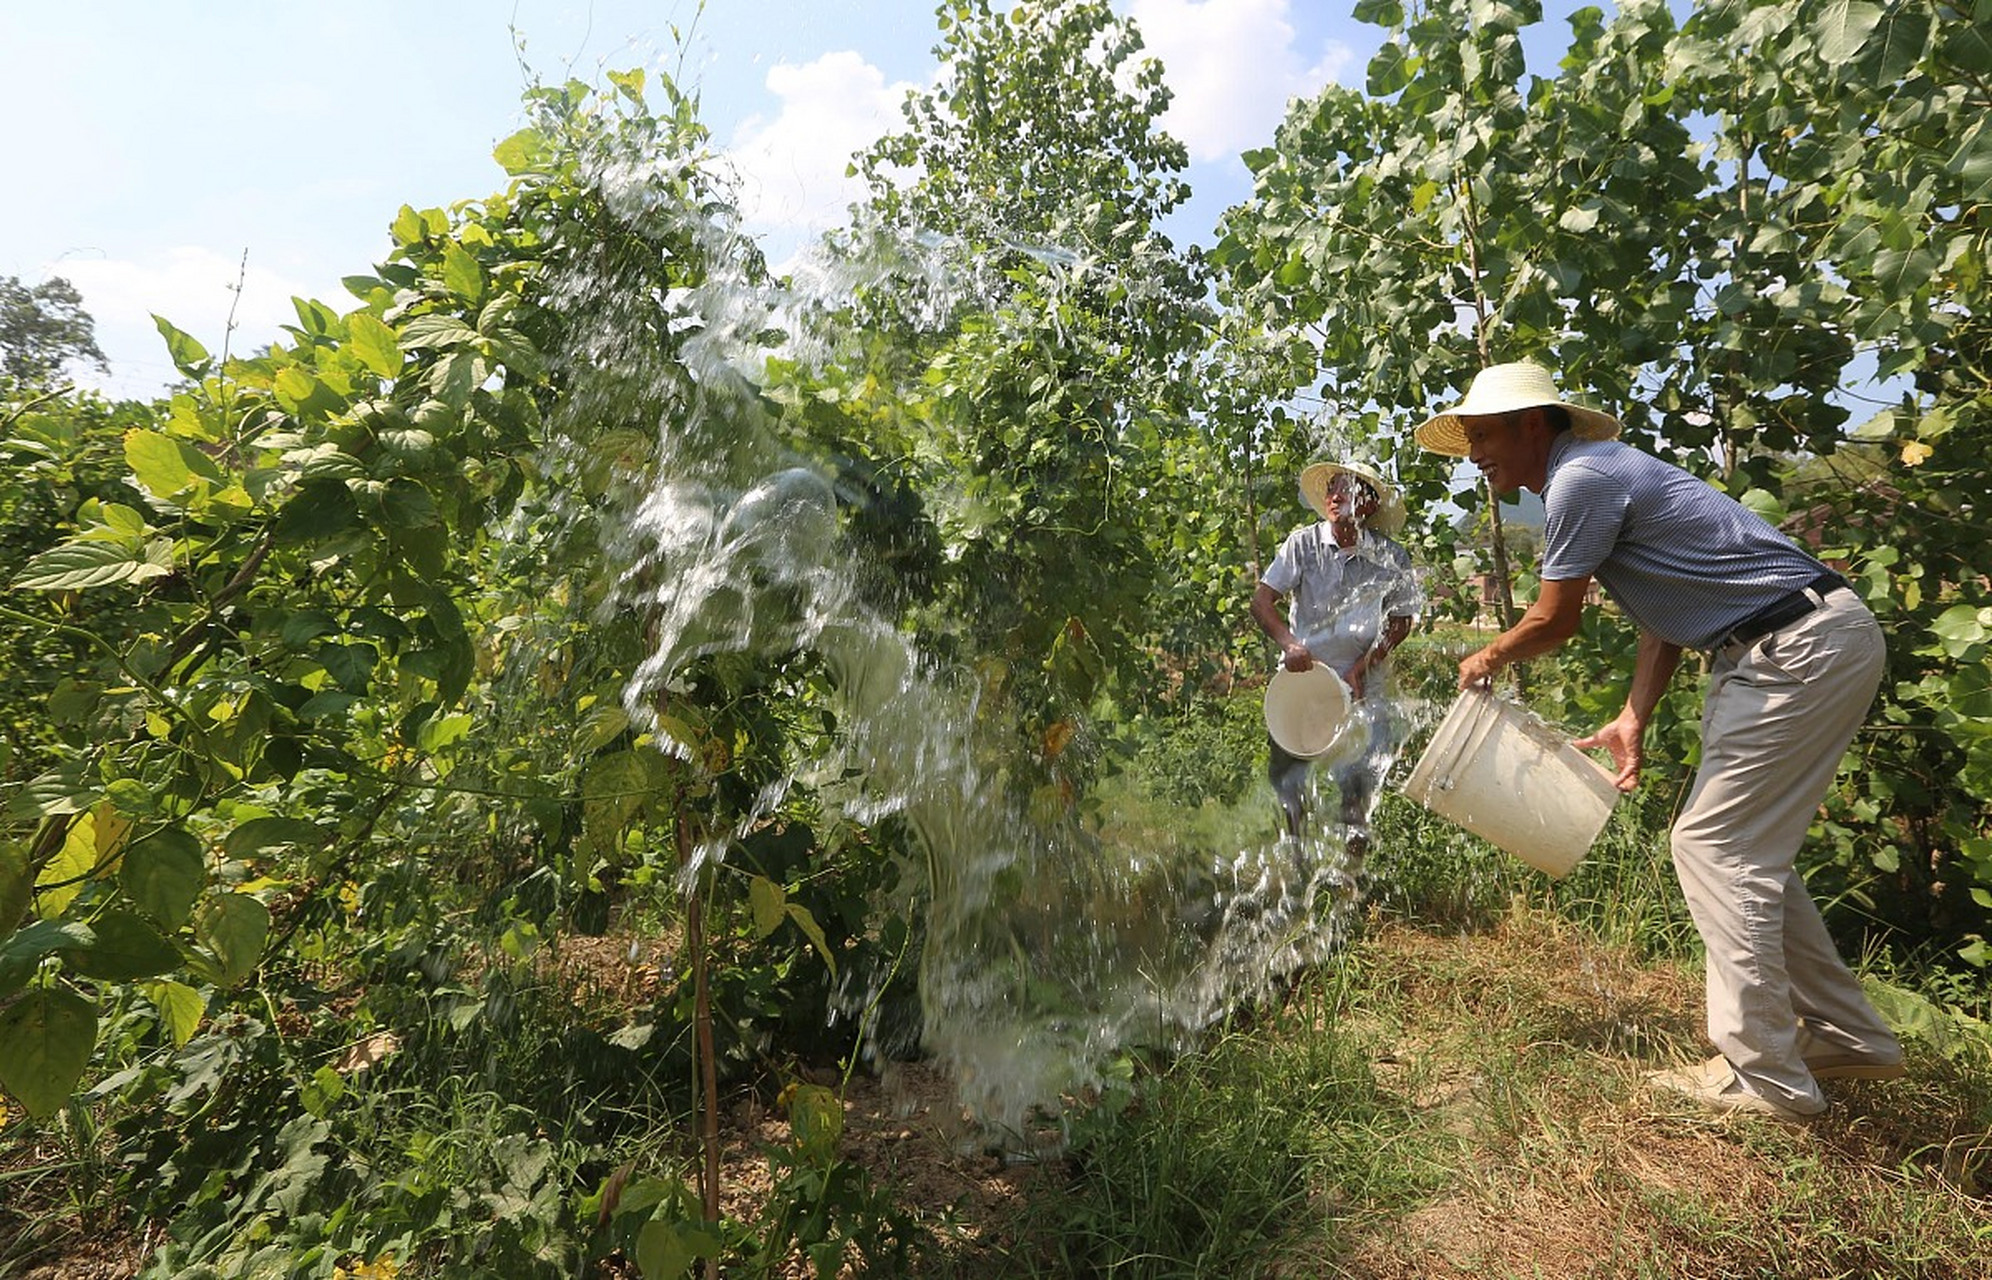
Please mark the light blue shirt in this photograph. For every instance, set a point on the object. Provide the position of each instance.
(1685, 561)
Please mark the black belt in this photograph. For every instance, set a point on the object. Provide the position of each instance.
(1784, 610)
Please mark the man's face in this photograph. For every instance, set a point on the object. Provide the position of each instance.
(1502, 449)
(1349, 499)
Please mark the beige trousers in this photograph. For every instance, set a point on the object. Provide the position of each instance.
(1778, 718)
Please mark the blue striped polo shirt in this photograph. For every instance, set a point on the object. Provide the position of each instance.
(1685, 561)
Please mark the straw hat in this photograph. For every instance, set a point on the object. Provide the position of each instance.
(1315, 479)
(1505, 388)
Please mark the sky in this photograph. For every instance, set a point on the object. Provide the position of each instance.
(167, 150)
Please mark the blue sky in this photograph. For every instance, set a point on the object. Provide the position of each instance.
(156, 142)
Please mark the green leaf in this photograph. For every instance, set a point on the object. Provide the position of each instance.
(257, 834)
(350, 665)
(662, 1251)
(524, 152)
(1389, 71)
(613, 791)
(25, 949)
(189, 356)
(45, 1042)
(165, 466)
(319, 510)
(408, 226)
(180, 1008)
(766, 899)
(461, 273)
(1959, 628)
(1843, 29)
(374, 343)
(234, 926)
(424, 332)
(814, 932)
(816, 1118)
(124, 949)
(74, 566)
(163, 875)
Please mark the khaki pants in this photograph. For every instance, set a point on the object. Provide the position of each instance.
(1778, 718)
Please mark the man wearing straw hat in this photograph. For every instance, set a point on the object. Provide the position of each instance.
(1353, 599)
(1796, 658)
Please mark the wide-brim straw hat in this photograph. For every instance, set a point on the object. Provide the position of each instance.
(1506, 388)
(1316, 477)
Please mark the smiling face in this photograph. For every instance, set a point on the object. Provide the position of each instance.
(1511, 449)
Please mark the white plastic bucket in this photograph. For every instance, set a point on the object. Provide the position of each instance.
(1515, 782)
(1306, 711)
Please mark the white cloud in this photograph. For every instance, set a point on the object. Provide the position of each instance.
(792, 165)
(1232, 65)
(192, 287)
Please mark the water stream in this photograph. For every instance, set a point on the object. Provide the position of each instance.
(1049, 945)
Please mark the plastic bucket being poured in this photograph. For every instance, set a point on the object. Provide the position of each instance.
(1306, 711)
(1515, 782)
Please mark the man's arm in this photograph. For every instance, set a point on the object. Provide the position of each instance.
(1266, 612)
(1552, 619)
(1625, 737)
(1394, 630)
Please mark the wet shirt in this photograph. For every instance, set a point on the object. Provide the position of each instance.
(1338, 598)
(1685, 561)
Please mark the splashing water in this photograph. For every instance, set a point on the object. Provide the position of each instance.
(1048, 945)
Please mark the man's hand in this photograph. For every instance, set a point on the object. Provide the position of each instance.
(1477, 670)
(1624, 739)
(1297, 656)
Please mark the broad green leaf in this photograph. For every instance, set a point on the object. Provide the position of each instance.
(524, 152)
(189, 356)
(424, 332)
(816, 1118)
(164, 874)
(1843, 29)
(629, 83)
(45, 1042)
(374, 343)
(613, 791)
(180, 1008)
(1960, 627)
(75, 566)
(23, 951)
(319, 510)
(258, 834)
(814, 932)
(322, 1092)
(1972, 161)
(234, 926)
(408, 226)
(350, 665)
(165, 466)
(62, 877)
(461, 273)
(124, 949)
(600, 725)
(662, 1251)
(443, 731)
(766, 899)
(295, 386)
(1389, 71)
(70, 787)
